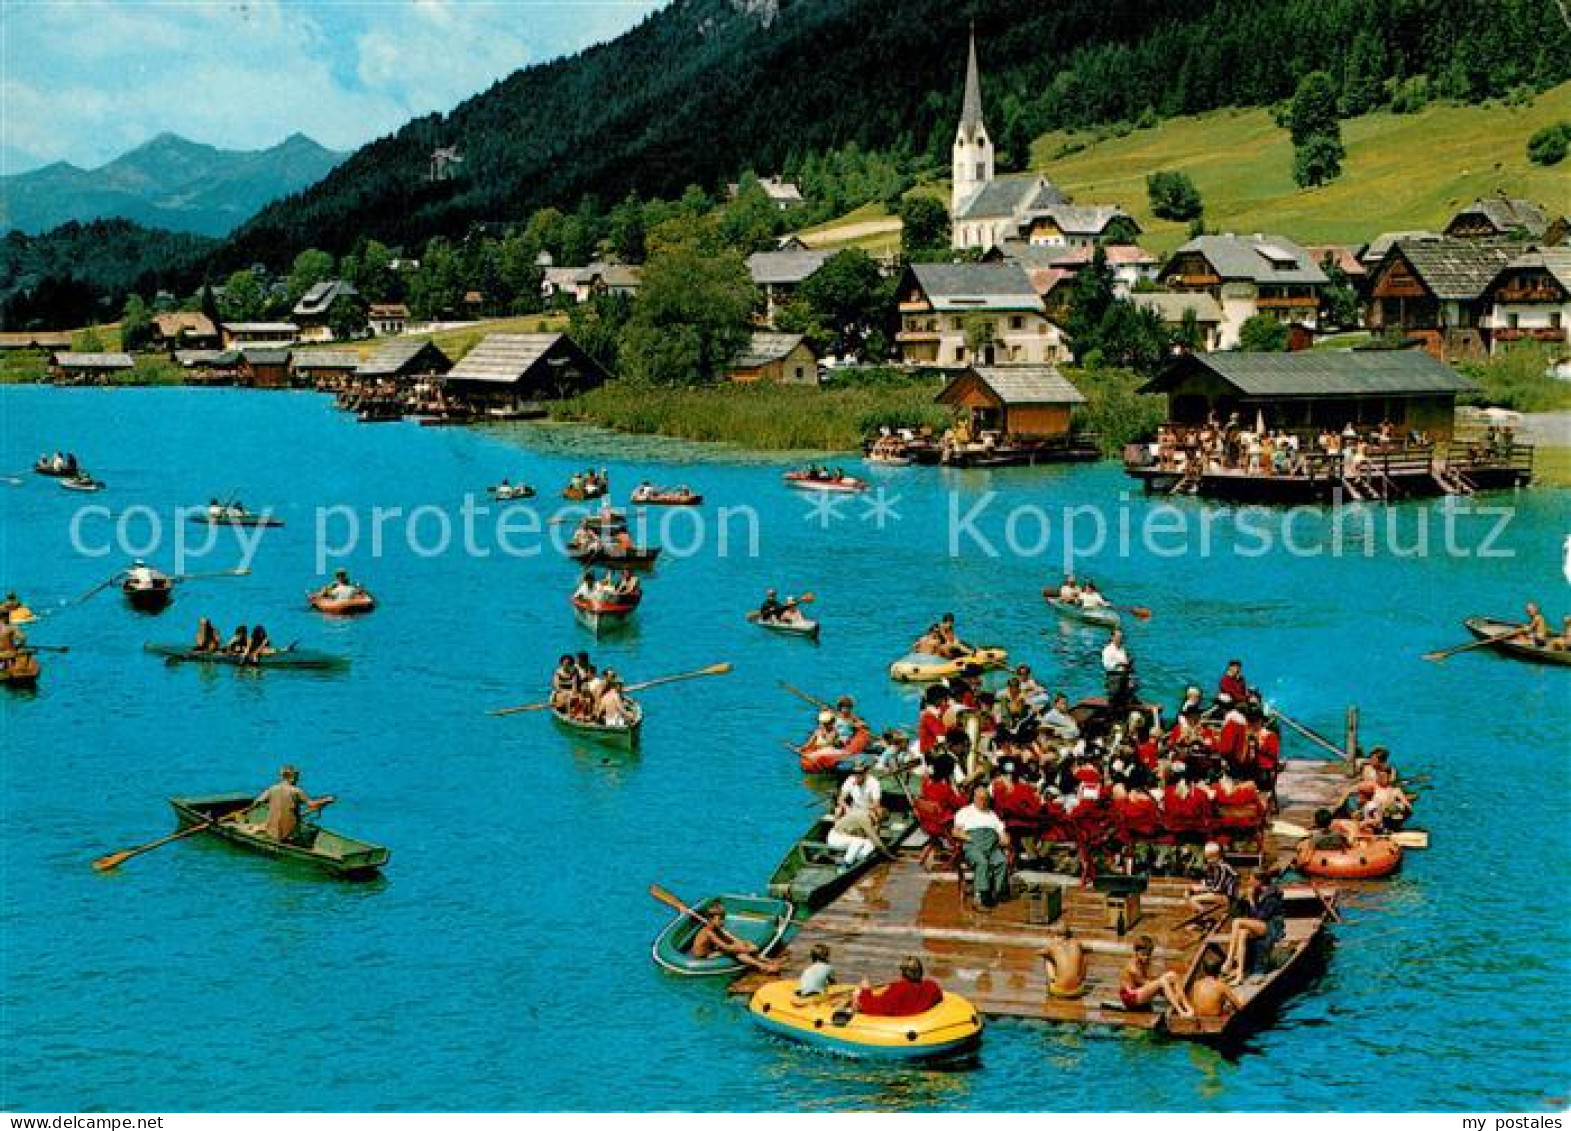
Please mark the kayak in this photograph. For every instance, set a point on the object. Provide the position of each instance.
(921, 667)
(757, 919)
(625, 736)
(1500, 633)
(242, 824)
(152, 597)
(236, 518)
(799, 627)
(811, 875)
(1102, 618)
(360, 602)
(847, 484)
(951, 1028)
(828, 759)
(299, 658)
(82, 482)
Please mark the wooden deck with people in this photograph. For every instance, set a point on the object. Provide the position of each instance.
(994, 957)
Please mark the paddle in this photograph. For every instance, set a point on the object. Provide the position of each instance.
(1138, 611)
(214, 573)
(115, 859)
(821, 705)
(1495, 638)
(95, 590)
(712, 669)
(46, 648)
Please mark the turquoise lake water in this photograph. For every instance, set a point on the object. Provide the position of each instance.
(503, 963)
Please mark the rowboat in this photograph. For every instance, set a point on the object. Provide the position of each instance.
(241, 823)
(1305, 915)
(804, 481)
(1101, 617)
(810, 875)
(587, 491)
(150, 596)
(889, 461)
(624, 736)
(829, 759)
(800, 626)
(951, 1029)
(636, 558)
(228, 516)
(596, 615)
(922, 667)
(356, 604)
(298, 658)
(756, 919)
(506, 492)
(81, 481)
(658, 498)
(21, 670)
(1501, 634)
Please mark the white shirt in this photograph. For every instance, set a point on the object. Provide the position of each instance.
(1091, 599)
(971, 818)
(1114, 657)
(861, 795)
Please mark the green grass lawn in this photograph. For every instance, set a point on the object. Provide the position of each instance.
(1402, 171)
(1552, 467)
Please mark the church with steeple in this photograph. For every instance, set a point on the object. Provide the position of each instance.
(987, 211)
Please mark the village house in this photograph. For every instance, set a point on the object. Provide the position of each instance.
(387, 319)
(1173, 307)
(1370, 255)
(1130, 264)
(1432, 291)
(184, 330)
(1248, 275)
(263, 369)
(208, 367)
(326, 304)
(986, 313)
(1315, 389)
(781, 358)
(1529, 300)
(1344, 259)
(784, 195)
(509, 375)
(1015, 402)
(778, 275)
(1499, 217)
(68, 368)
(1074, 225)
(404, 362)
(259, 335)
(605, 278)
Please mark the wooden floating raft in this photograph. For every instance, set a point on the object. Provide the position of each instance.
(993, 957)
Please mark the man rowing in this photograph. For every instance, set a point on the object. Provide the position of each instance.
(712, 939)
(340, 588)
(775, 611)
(286, 802)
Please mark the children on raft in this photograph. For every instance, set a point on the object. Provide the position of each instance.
(583, 694)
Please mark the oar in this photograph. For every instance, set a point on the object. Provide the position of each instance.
(1138, 611)
(823, 706)
(1288, 828)
(46, 648)
(713, 669)
(115, 859)
(672, 901)
(102, 585)
(1441, 657)
(1318, 739)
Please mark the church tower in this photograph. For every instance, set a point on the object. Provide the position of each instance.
(972, 166)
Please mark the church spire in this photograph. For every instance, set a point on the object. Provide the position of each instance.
(971, 109)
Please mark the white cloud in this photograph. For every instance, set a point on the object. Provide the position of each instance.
(86, 80)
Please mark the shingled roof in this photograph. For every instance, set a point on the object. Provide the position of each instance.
(1170, 306)
(1321, 373)
(1505, 214)
(1555, 261)
(1022, 384)
(1451, 269)
(766, 348)
(94, 360)
(785, 267)
(404, 356)
(1258, 258)
(975, 286)
(1009, 196)
(326, 359)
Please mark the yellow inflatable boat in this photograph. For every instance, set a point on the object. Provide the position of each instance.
(950, 1028)
(920, 667)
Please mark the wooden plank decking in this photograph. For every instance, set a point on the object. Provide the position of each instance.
(992, 957)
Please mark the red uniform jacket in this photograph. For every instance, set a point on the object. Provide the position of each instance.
(900, 999)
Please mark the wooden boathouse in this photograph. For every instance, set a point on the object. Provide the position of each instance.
(1009, 415)
(993, 957)
(1391, 412)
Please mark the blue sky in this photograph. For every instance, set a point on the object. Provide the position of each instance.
(85, 80)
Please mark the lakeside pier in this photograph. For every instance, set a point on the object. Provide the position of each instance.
(992, 957)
